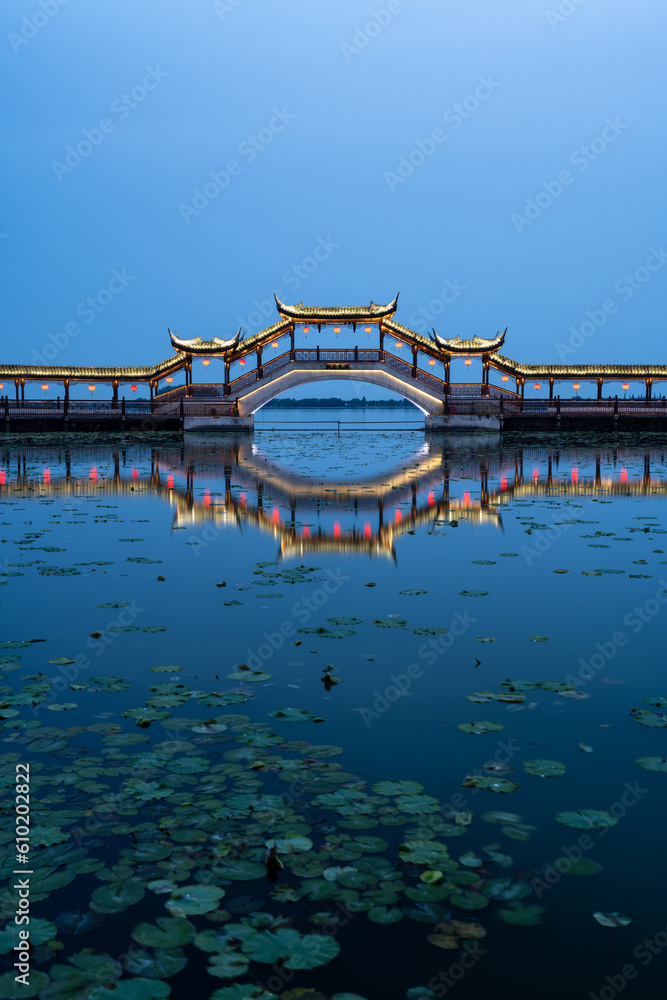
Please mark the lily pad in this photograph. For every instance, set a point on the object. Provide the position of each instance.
(194, 898)
(480, 727)
(544, 768)
(294, 715)
(586, 819)
(612, 919)
(653, 763)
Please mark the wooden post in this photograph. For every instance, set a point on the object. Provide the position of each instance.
(23, 390)
(600, 381)
(291, 342)
(115, 393)
(260, 373)
(447, 386)
(226, 389)
(381, 331)
(318, 352)
(414, 361)
(649, 387)
(523, 387)
(150, 384)
(16, 384)
(551, 388)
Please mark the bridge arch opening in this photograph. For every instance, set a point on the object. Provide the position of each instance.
(319, 389)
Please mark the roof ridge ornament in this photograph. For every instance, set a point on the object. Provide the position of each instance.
(332, 314)
(199, 346)
(459, 345)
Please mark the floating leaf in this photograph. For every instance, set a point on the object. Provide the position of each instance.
(480, 727)
(586, 819)
(652, 763)
(474, 593)
(612, 919)
(195, 898)
(294, 715)
(544, 768)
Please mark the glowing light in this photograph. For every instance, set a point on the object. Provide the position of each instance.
(337, 529)
(47, 475)
(241, 361)
(93, 473)
(133, 388)
(207, 498)
(274, 345)
(169, 379)
(398, 346)
(206, 362)
(625, 386)
(367, 329)
(466, 499)
(45, 387)
(503, 482)
(624, 475)
(2, 385)
(306, 531)
(135, 473)
(431, 361)
(468, 361)
(275, 515)
(92, 388)
(306, 329)
(536, 475)
(576, 386)
(243, 499)
(505, 378)
(537, 385)
(170, 482)
(336, 330)
(431, 498)
(367, 529)
(575, 475)
(2, 477)
(398, 516)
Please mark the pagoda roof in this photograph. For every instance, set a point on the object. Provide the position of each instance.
(199, 346)
(477, 345)
(333, 314)
(142, 373)
(579, 371)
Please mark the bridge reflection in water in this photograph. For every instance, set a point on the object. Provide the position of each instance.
(235, 484)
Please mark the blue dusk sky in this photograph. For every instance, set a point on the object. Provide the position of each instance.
(176, 162)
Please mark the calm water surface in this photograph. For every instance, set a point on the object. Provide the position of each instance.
(371, 593)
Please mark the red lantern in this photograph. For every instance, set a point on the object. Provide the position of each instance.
(169, 379)
(336, 330)
(536, 386)
(625, 386)
(206, 362)
(306, 329)
(576, 386)
(45, 387)
(505, 378)
(367, 329)
(92, 388)
(133, 388)
(468, 361)
(241, 361)
(398, 346)
(274, 345)
(431, 361)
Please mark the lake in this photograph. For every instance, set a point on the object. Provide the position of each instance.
(362, 714)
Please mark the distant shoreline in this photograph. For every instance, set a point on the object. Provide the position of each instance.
(332, 402)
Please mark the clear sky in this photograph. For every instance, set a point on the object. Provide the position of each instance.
(497, 164)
